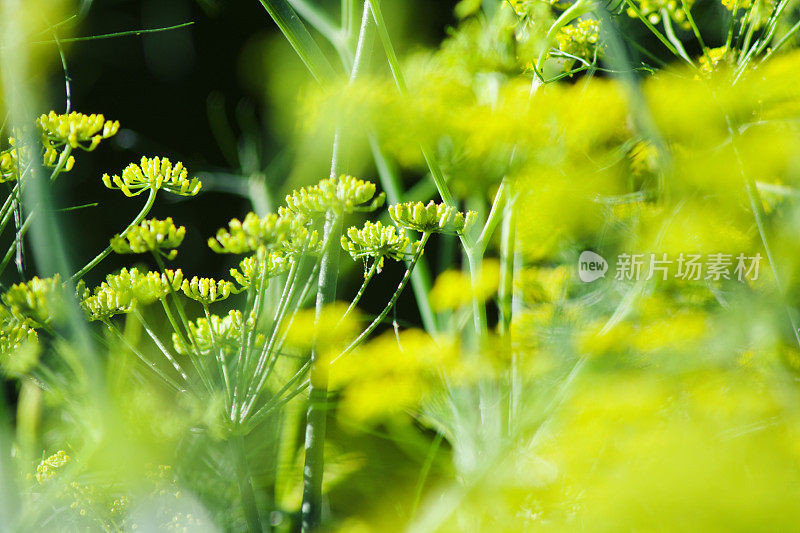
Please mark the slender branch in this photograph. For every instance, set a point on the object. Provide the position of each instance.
(151, 199)
(403, 282)
(367, 279)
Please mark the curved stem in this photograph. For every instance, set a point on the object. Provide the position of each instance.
(151, 199)
(576, 10)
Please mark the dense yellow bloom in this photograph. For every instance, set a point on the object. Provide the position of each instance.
(227, 332)
(580, 39)
(651, 9)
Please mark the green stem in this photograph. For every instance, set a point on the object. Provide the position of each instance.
(495, 214)
(311, 510)
(246, 492)
(288, 294)
(11, 249)
(731, 27)
(426, 468)
(782, 41)
(665, 18)
(695, 30)
(660, 36)
(507, 250)
(475, 258)
(760, 218)
(299, 38)
(151, 199)
(575, 10)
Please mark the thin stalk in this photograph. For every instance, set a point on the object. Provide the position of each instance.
(151, 199)
(507, 251)
(660, 36)
(283, 305)
(8, 208)
(782, 41)
(274, 351)
(403, 282)
(760, 218)
(264, 412)
(16, 242)
(299, 38)
(475, 258)
(575, 10)
(311, 510)
(253, 302)
(695, 30)
(190, 346)
(495, 214)
(269, 406)
(367, 279)
(161, 346)
(771, 27)
(426, 468)
(248, 334)
(168, 380)
(217, 349)
(731, 27)
(318, 19)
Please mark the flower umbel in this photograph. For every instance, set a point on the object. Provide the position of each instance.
(344, 194)
(75, 129)
(207, 290)
(247, 236)
(431, 218)
(36, 302)
(378, 242)
(120, 293)
(251, 268)
(154, 173)
(150, 236)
